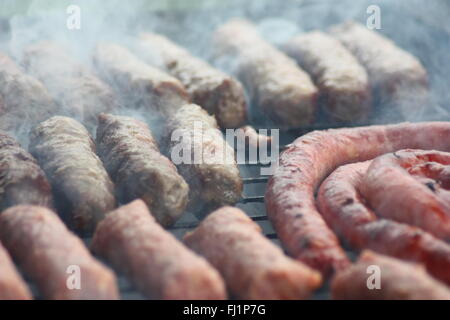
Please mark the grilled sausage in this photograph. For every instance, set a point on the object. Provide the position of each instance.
(207, 162)
(22, 181)
(12, 286)
(290, 192)
(253, 267)
(218, 93)
(139, 84)
(132, 158)
(398, 78)
(26, 101)
(343, 83)
(276, 85)
(158, 264)
(399, 186)
(53, 257)
(344, 209)
(398, 281)
(82, 188)
(78, 91)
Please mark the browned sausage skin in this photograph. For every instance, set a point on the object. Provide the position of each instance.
(345, 210)
(343, 83)
(281, 91)
(253, 267)
(398, 79)
(131, 156)
(214, 180)
(39, 241)
(158, 264)
(82, 188)
(290, 194)
(12, 286)
(22, 180)
(398, 281)
(220, 94)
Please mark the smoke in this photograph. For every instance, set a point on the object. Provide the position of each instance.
(417, 26)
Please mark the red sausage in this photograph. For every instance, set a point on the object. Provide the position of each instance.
(290, 193)
(395, 194)
(344, 209)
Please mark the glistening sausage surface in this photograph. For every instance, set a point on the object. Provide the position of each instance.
(290, 193)
(53, 257)
(82, 189)
(131, 156)
(399, 80)
(158, 264)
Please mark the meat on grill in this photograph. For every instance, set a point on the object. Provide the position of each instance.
(405, 186)
(302, 167)
(276, 85)
(132, 158)
(22, 181)
(398, 78)
(77, 89)
(213, 90)
(398, 281)
(253, 267)
(158, 264)
(255, 139)
(82, 189)
(12, 286)
(204, 159)
(24, 101)
(54, 257)
(344, 209)
(140, 85)
(343, 83)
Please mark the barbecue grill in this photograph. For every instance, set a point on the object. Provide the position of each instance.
(418, 27)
